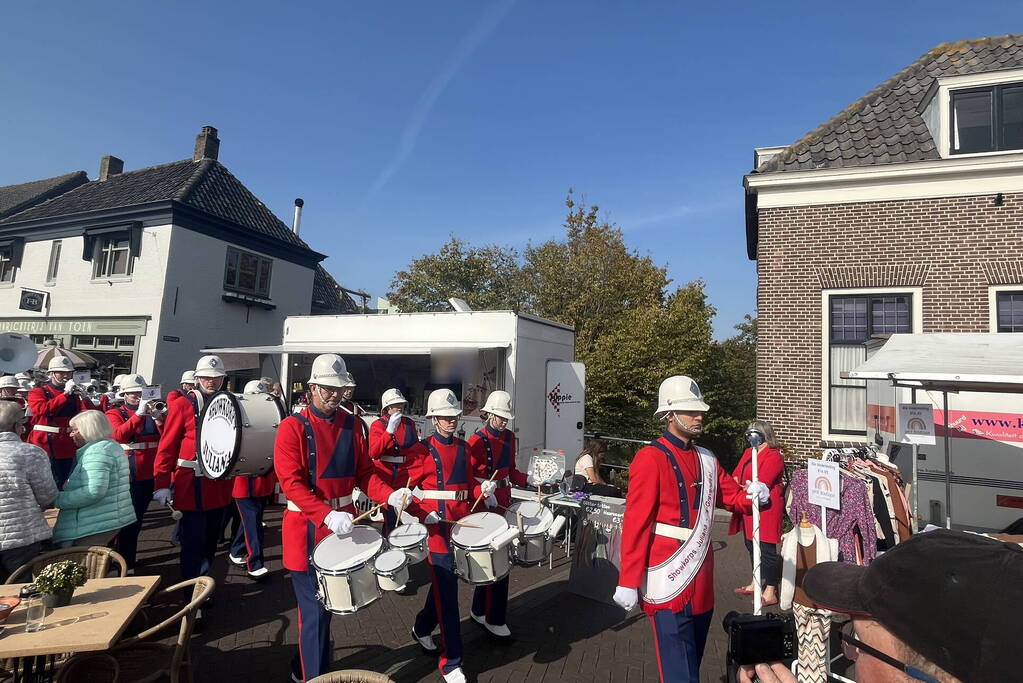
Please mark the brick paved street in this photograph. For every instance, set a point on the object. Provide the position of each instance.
(250, 633)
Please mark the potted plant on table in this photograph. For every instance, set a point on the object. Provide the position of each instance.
(58, 581)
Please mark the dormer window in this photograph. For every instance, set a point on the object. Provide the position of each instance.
(988, 119)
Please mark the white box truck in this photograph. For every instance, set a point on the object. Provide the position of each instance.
(471, 352)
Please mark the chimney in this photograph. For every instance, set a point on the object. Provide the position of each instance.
(109, 166)
(298, 215)
(207, 144)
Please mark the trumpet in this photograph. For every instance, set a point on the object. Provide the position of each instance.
(157, 408)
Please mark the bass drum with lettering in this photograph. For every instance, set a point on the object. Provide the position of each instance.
(237, 433)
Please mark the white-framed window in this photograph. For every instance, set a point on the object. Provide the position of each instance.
(977, 114)
(1005, 303)
(247, 273)
(8, 271)
(849, 318)
(54, 265)
(112, 257)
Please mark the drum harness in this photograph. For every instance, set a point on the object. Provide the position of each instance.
(503, 481)
(310, 441)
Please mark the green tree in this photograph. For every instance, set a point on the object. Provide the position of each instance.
(730, 384)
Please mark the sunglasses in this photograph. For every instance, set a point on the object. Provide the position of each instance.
(852, 647)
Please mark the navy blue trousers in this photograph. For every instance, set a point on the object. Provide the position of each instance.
(248, 540)
(128, 536)
(491, 601)
(200, 531)
(679, 638)
(442, 608)
(61, 470)
(314, 646)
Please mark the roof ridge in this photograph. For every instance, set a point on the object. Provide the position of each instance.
(202, 167)
(67, 178)
(259, 202)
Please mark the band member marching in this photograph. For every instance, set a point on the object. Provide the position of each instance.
(445, 477)
(53, 405)
(320, 455)
(201, 501)
(674, 486)
(187, 384)
(137, 429)
(250, 494)
(393, 445)
(493, 454)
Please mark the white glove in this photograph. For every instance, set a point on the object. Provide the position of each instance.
(338, 522)
(530, 480)
(395, 499)
(69, 386)
(626, 597)
(759, 490)
(162, 496)
(491, 501)
(432, 518)
(487, 488)
(392, 423)
(141, 410)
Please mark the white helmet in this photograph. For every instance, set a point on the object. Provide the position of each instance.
(443, 403)
(187, 377)
(499, 403)
(254, 387)
(117, 381)
(9, 382)
(329, 370)
(60, 364)
(350, 382)
(679, 393)
(132, 383)
(391, 397)
(210, 366)
(23, 377)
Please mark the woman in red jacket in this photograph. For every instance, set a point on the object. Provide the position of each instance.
(770, 470)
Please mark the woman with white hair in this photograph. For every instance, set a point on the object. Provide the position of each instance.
(96, 501)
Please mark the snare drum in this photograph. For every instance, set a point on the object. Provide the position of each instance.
(535, 543)
(411, 539)
(344, 569)
(236, 434)
(391, 568)
(476, 562)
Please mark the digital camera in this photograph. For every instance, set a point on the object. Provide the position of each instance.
(754, 639)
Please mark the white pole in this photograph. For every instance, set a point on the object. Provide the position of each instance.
(758, 597)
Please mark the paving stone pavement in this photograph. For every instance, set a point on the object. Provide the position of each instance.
(251, 630)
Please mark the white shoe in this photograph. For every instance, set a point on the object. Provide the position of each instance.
(425, 642)
(259, 573)
(454, 676)
(501, 631)
(236, 560)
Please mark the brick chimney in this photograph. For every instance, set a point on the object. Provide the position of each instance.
(109, 166)
(207, 144)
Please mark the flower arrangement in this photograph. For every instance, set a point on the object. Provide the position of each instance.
(61, 577)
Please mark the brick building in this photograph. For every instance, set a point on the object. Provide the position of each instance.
(902, 213)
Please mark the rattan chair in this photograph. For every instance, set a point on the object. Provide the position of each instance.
(142, 658)
(96, 559)
(95, 668)
(351, 676)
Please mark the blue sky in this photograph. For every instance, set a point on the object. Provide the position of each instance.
(401, 123)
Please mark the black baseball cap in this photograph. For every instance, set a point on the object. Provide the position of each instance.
(954, 597)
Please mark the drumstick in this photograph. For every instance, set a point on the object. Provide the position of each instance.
(404, 500)
(480, 497)
(369, 512)
(458, 522)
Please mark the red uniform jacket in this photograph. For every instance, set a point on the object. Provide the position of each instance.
(51, 407)
(493, 450)
(255, 487)
(174, 395)
(654, 497)
(446, 466)
(131, 428)
(771, 471)
(392, 453)
(310, 477)
(177, 442)
(104, 402)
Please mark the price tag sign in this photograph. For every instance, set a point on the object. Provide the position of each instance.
(823, 484)
(916, 424)
(82, 377)
(149, 393)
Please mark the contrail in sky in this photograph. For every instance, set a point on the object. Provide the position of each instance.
(480, 32)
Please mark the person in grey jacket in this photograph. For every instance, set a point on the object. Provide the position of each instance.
(96, 501)
(26, 488)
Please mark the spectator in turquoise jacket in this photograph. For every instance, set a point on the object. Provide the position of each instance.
(96, 501)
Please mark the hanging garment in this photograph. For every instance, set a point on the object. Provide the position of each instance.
(797, 559)
(813, 628)
(854, 515)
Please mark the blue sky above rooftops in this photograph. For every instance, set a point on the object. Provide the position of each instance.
(402, 123)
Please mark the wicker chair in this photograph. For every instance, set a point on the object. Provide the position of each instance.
(95, 668)
(141, 659)
(96, 559)
(351, 676)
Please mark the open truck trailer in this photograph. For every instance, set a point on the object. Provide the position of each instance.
(471, 352)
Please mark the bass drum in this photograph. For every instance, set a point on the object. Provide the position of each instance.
(237, 433)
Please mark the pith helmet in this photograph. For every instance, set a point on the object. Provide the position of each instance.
(679, 393)
(187, 377)
(329, 370)
(210, 366)
(499, 403)
(117, 382)
(254, 387)
(350, 381)
(443, 403)
(133, 383)
(60, 364)
(392, 397)
(9, 382)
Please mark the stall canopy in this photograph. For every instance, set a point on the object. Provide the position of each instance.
(386, 348)
(948, 362)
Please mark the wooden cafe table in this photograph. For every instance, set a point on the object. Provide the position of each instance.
(99, 613)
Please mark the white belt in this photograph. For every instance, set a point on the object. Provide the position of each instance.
(190, 464)
(333, 502)
(501, 483)
(140, 446)
(397, 459)
(680, 533)
(47, 428)
(444, 495)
